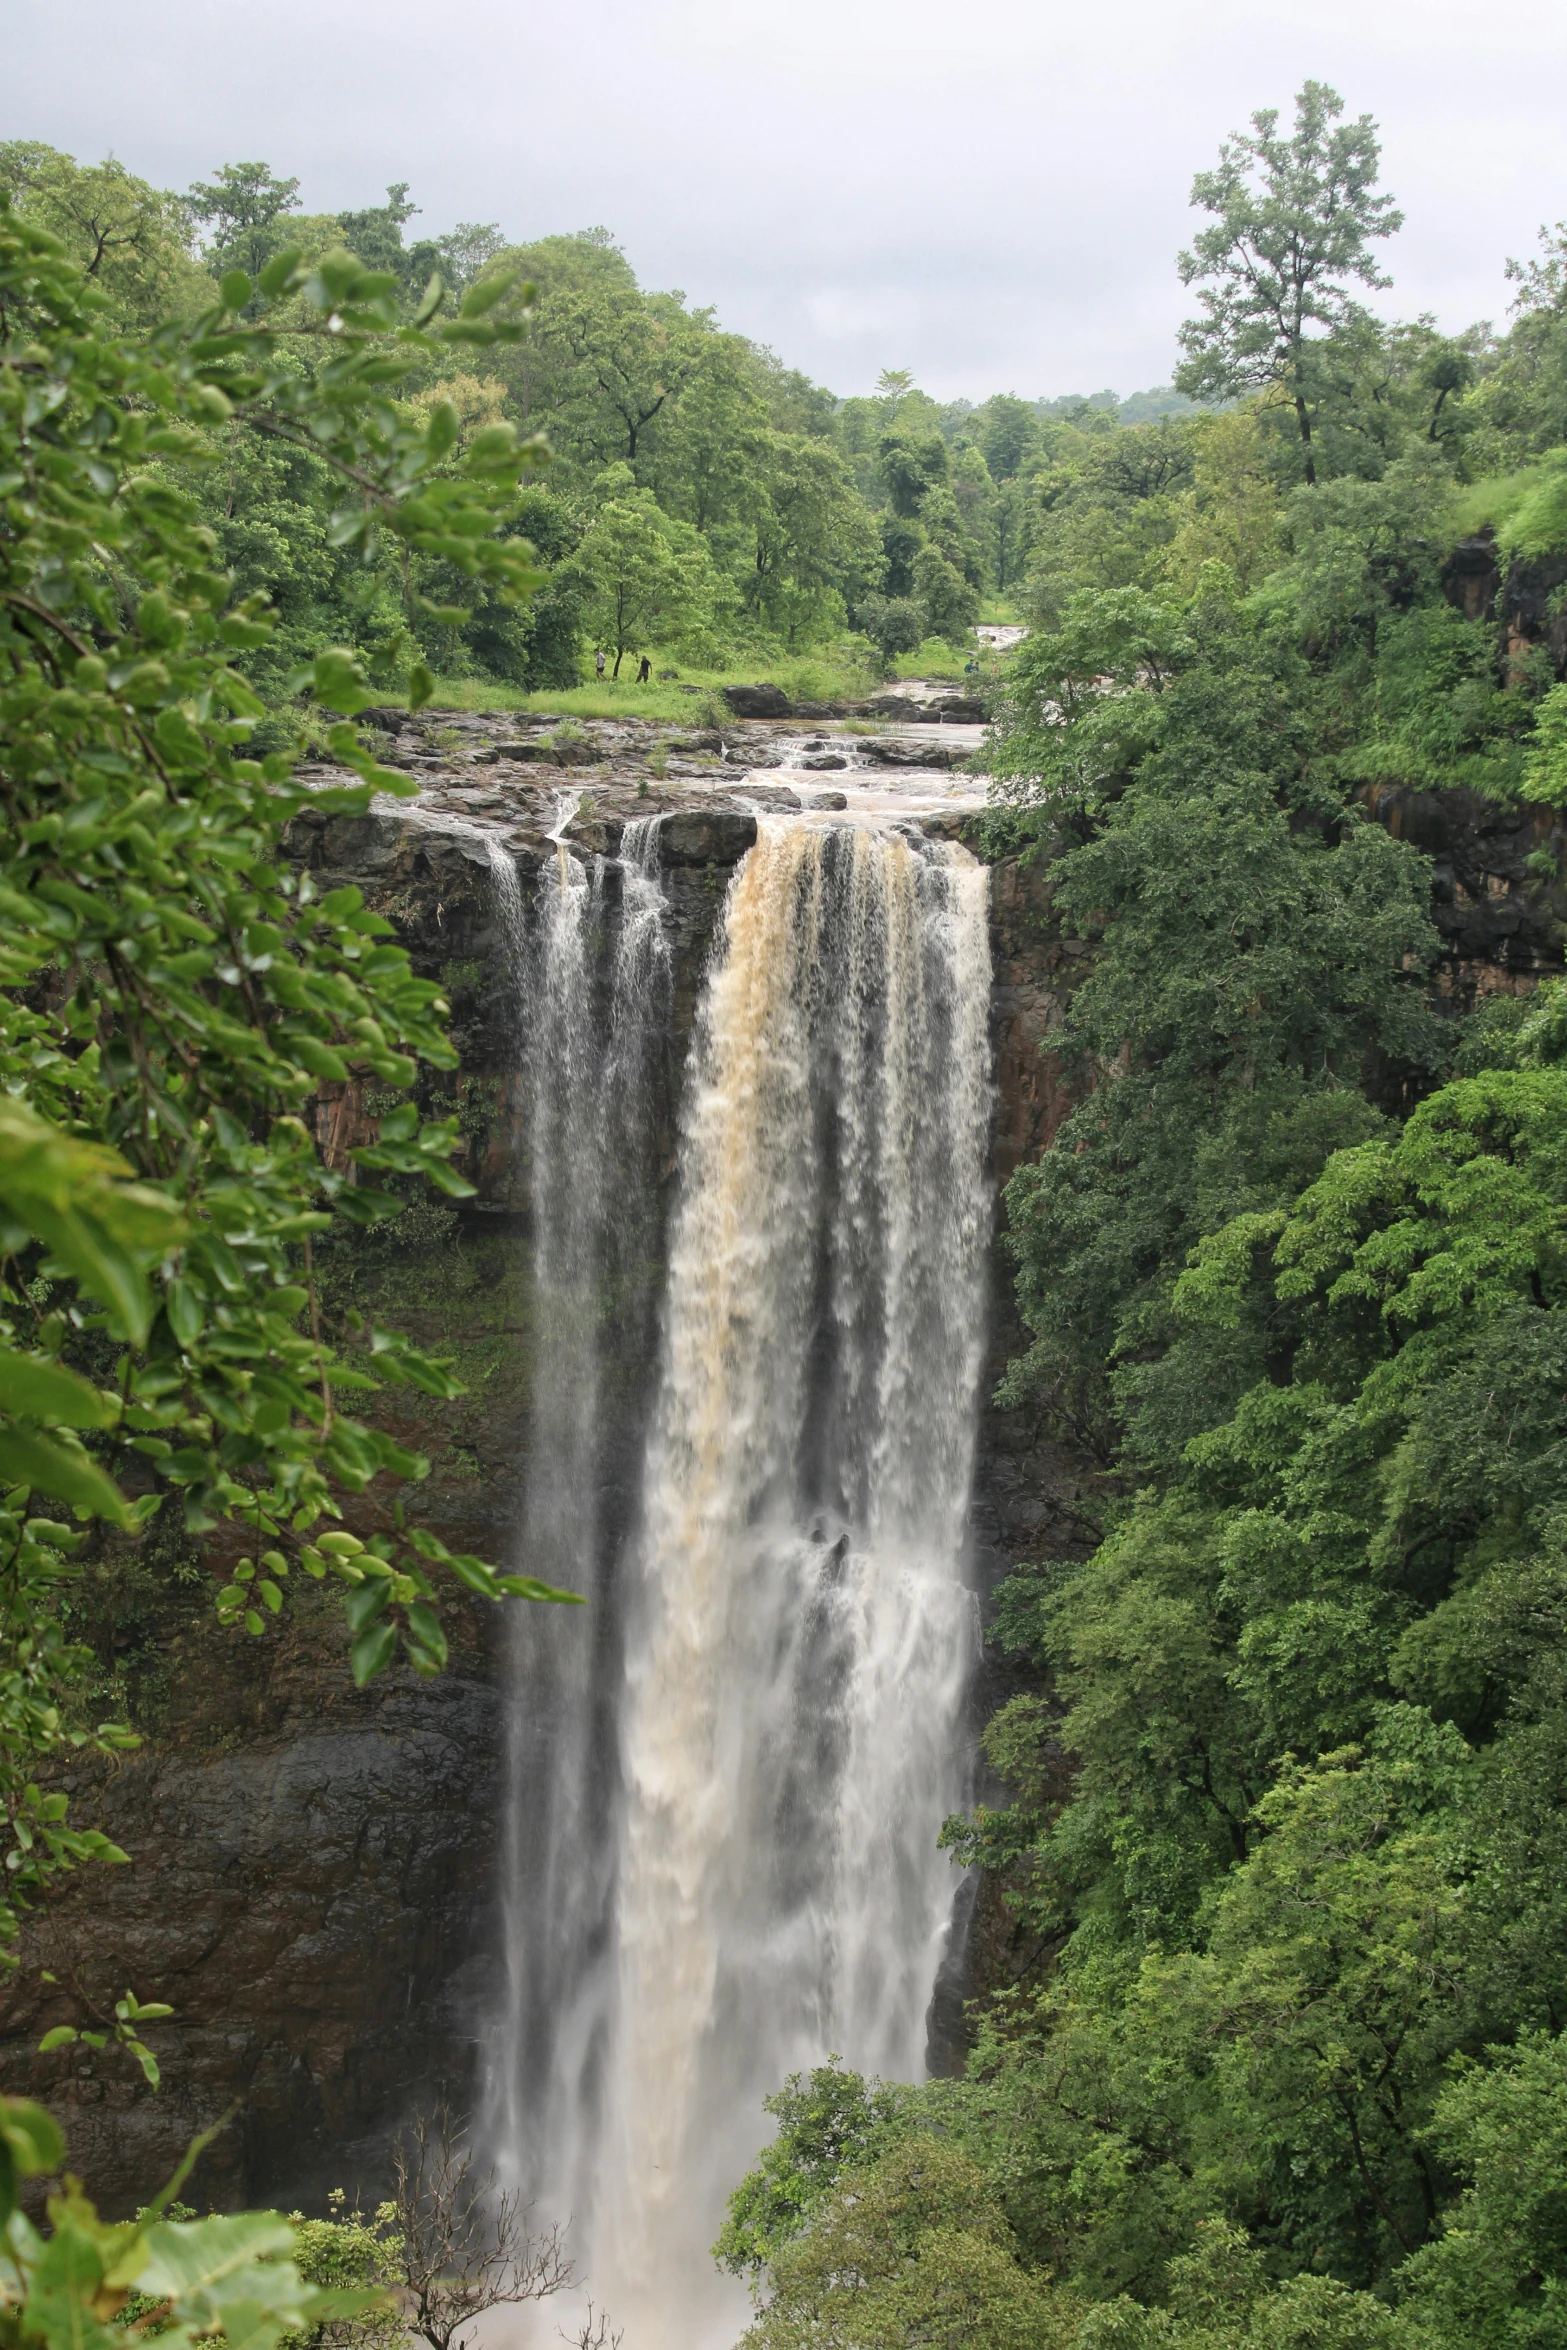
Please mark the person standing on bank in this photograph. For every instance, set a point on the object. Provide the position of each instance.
(645, 672)
(599, 664)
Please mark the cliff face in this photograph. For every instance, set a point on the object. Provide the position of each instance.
(312, 1868)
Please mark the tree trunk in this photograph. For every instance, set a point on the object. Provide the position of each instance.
(1304, 419)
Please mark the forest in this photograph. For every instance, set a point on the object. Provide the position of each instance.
(695, 499)
(1284, 1837)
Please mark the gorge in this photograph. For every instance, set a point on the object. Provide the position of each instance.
(701, 1024)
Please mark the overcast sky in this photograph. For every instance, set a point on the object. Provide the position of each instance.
(991, 195)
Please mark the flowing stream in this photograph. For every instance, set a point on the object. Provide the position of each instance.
(724, 1861)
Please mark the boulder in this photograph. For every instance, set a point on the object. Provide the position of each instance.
(541, 754)
(758, 701)
(824, 799)
(961, 710)
(885, 751)
(778, 799)
(828, 759)
(706, 836)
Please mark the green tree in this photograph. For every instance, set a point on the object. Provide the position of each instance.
(634, 588)
(245, 208)
(829, 2120)
(1497, 2274)
(894, 624)
(915, 2250)
(910, 463)
(468, 250)
(629, 356)
(1365, 550)
(814, 540)
(131, 240)
(950, 601)
(713, 452)
(1008, 429)
(1295, 220)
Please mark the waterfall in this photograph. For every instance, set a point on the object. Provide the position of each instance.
(590, 965)
(798, 1634)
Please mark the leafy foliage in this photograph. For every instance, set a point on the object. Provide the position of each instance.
(171, 995)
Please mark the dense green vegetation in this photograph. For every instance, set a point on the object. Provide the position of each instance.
(702, 504)
(1281, 2058)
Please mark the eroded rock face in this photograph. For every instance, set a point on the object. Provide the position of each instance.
(706, 836)
(1524, 600)
(1499, 922)
(310, 1898)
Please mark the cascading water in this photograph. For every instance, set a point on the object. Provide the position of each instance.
(798, 1643)
(731, 1772)
(591, 1023)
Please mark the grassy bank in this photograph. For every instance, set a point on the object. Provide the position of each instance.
(834, 673)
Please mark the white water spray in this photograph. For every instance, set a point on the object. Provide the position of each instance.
(799, 1638)
(592, 958)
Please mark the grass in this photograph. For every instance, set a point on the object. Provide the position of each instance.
(830, 674)
(833, 673)
(623, 699)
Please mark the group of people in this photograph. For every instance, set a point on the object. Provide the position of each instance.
(644, 668)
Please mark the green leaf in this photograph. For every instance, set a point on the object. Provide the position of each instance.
(46, 1467)
(69, 2274)
(421, 686)
(236, 289)
(60, 2037)
(339, 682)
(424, 1625)
(442, 430)
(319, 1059)
(487, 293)
(184, 1307)
(34, 2137)
(367, 1601)
(206, 2256)
(44, 1391)
(280, 272)
(371, 1651)
(529, 1587)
